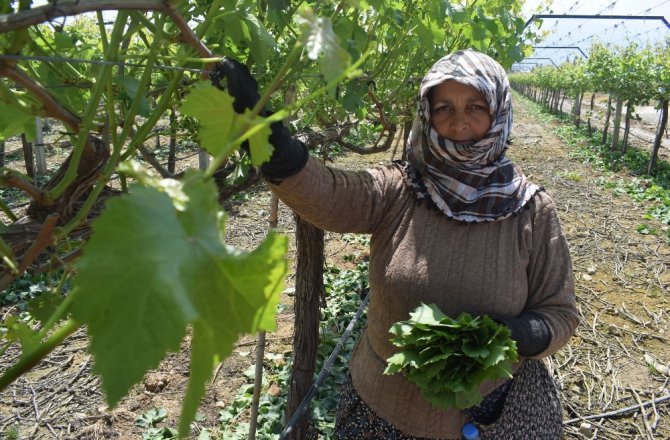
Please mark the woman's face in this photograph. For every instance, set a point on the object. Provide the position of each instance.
(459, 112)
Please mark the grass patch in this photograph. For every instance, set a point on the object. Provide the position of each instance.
(570, 175)
(11, 433)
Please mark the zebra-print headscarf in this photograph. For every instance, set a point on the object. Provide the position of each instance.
(471, 183)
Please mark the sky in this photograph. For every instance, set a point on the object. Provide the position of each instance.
(583, 33)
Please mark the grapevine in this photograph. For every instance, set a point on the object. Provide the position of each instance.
(143, 248)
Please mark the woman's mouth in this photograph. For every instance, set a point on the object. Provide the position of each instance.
(463, 141)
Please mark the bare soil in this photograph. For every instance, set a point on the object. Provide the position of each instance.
(623, 289)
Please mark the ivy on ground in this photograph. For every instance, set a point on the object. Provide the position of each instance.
(343, 287)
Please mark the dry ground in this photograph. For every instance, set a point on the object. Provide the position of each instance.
(623, 288)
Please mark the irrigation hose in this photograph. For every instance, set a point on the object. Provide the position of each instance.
(324, 371)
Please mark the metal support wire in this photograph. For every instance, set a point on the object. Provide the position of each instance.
(327, 366)
(8, 57)
(599, 17)
(562, 47)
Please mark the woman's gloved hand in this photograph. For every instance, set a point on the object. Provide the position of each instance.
(530, 331)
(290, 155)
(241, 85)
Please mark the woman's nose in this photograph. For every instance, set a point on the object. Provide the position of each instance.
(459, 122)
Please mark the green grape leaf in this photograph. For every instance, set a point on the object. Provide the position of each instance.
(438, 30)
(214, 109)
(220, 124)
(18, 331)
(323, 44)
(261, 149)
(213, 336)
(429, 315)
(261, 42)
(448, 358)
(73, 98)
(246, 30)
(278, 13)
(128, 90)
(155, 265)
(425, 35)
(353, 95)
(63, 41)
(43, 307)
(457, 14)
(14, 121)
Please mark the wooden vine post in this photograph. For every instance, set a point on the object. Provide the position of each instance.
(258, 384)
(659, 136)
(28, 156)
(309, 289)
(608, 114)
(616, 130)
(593, 104)
(40, 153)
(626, 130)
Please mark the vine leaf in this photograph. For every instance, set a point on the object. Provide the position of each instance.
(261, 42)
(128, 88)
(246, 30)
(323, 44)
(155, 265)
(220, 124)
(15, 121)
(17, 331)
(261, 149)
(448, 358)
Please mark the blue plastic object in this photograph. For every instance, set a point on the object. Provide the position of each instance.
(470, 432)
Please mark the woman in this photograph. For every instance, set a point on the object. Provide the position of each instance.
(457, 225)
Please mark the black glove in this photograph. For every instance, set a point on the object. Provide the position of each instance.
(289, 155)
(530, 331)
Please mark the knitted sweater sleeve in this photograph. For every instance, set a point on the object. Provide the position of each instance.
(551, 290)
(338, 200)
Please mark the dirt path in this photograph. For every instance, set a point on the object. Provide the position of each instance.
(623, 283)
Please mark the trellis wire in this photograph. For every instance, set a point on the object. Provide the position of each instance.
(24, 204)
(98, 62)
(327, 366)
(126, 64)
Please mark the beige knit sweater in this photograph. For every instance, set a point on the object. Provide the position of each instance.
(418, 255)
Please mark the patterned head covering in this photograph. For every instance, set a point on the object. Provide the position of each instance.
(468, 182)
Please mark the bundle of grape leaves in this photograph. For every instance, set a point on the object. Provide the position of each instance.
(448, 358)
